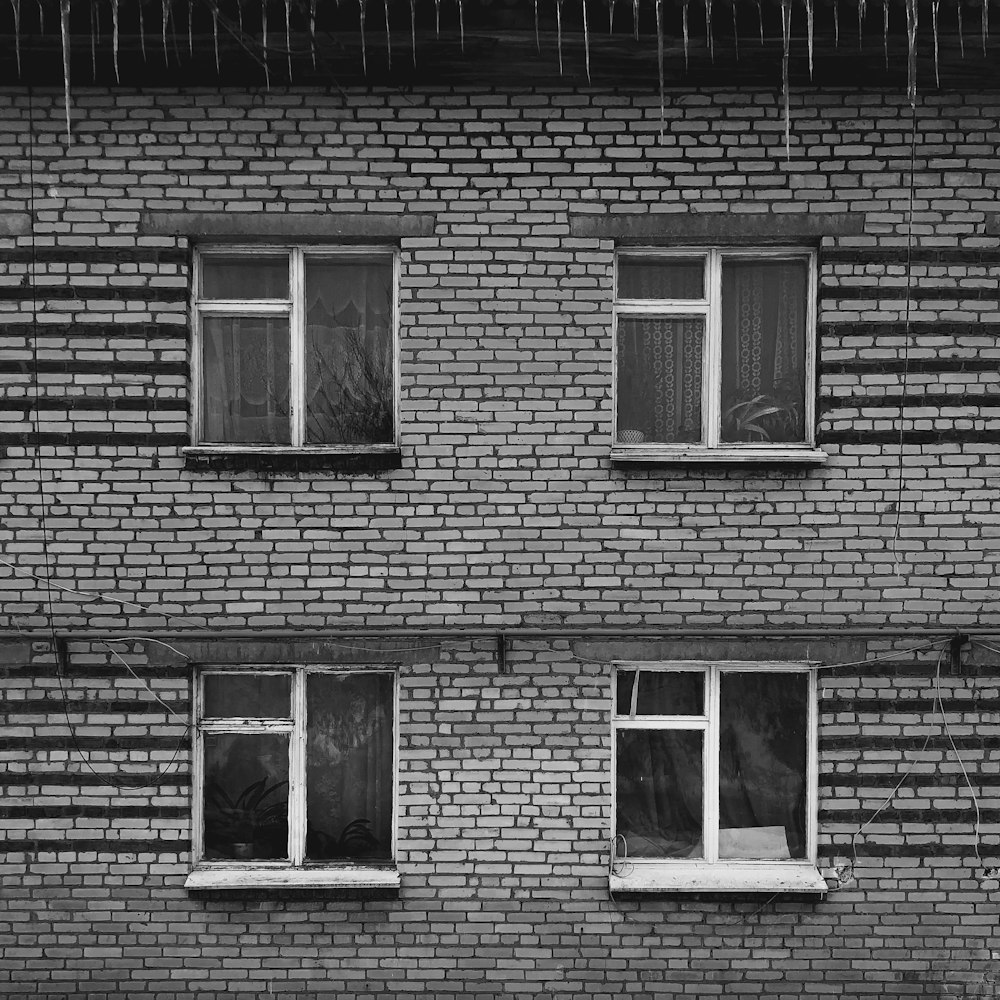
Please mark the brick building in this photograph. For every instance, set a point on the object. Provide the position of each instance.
(505, 540)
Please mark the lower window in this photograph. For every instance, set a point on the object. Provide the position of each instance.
(296, 776)
(715, 769)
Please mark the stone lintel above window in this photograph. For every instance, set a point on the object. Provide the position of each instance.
(296, 227)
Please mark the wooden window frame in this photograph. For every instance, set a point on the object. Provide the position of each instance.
(713, 873)
(292, 308)
(709, 309)
(295, 871)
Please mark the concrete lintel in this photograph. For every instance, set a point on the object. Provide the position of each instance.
(714, 228)
(353, 227)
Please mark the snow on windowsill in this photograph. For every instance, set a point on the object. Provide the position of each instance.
(253, 877)
(656, 455)
(681, 876)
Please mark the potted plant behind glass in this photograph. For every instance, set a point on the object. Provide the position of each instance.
(253, 824)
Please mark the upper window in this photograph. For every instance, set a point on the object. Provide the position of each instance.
(714, 354)
(295, 348)
(715, 776)
(295, 777)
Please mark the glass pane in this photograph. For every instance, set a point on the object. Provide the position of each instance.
(246, 796)
(762, 765)
(764, 350)
(245, 380)
(349, 356)
(660, 692)
(244, 276)
(247, 696)
(349, 772)
(675, 279)
(659, 379)
(659, 793)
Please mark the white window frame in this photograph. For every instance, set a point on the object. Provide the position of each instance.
(709, 309)
(712, 873)
(295, 872)
(294, 309)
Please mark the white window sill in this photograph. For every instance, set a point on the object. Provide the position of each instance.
(282, 450)
(251, 877)
(761, 876)
(735, 455)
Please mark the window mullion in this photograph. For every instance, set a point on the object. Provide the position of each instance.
(297, 772)
(296, 348)
(711, 805)
(712, 374)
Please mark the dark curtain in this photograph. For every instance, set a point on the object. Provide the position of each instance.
(349, 363)
(349, 766)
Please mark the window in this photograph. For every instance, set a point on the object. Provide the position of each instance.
(714, 355)
(715, 777)
(295, 778)
(295, 349)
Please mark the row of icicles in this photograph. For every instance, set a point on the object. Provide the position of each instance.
(236, 30)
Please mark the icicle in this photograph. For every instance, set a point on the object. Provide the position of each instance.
(461, 24)
(635, 19)
(239, 15)
(215, 38)
(961, 30)
(191, 28)
(64, 33)
(736, 33)
(142, 32)
(708, 29)
(16, 4)
(985, 22)
(413, 29)
(809, 33)
(885, 31)
(41, 18)
(559, 4)
(312, 31)
(114, 37)
(935, 8)
(165, 8)
(93, 42)
(263, 42)
(861, 18)
(786, 41)
(437, 16)
(836, 22)
(685, 5)
(288, 35)
(364, 54)
(911, 51)
(611, 17)
(659, 60)
(388, 35)
(586, 38)
(538, 44)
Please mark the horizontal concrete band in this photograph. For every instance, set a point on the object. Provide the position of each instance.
(271, 226)
(736, 228)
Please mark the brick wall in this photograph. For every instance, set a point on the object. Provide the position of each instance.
(505, 510)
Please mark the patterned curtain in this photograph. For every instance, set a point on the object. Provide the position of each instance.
(763, 351)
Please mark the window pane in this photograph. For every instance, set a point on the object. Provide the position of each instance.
(245, 380)
(349, 770)
(349, 357)
(659, 793)
(248, 696)
(762, 765)
(764, 350)
(659, 379)
(244, 276)
(675, 279)
(660, 692)
(246, 796)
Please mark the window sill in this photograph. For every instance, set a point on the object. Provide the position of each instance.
(345, 458)
(683, 877)
(256, 878)
(666, 455)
